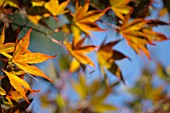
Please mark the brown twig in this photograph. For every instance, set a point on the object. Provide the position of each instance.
(47, 34)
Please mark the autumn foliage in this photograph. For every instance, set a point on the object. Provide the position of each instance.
(82, 19)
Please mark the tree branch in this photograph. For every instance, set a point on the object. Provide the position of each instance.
(47, 34)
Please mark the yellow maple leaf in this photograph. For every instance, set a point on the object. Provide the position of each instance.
(2, 91)
(34, 18)
(55, 8)
(18, 84)
(120, 7)
(37, 3)
(106, 58)
(12, 3)
(5, 48)
(74, 66)
(90, 93)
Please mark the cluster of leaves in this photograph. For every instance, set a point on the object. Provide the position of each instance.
(156, 95)
(91, 99)
(82, 16)
(17, 65)
(147, 97)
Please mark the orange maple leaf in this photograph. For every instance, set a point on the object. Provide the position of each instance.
(139, 33)
(85, 20)
(22, 57)
(78, 51)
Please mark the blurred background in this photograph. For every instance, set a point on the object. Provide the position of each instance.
(84, 91)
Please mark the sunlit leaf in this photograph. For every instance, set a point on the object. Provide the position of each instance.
(12, 3)
(139, 33)
(32, 58)
(37, 3)
(2, 91)
(5, 48)
(79, 50)
(80, 87)
(90, 93)
(22, 57)
(107, 57)
(85, 20)
(76, 33)
(60, 101)
(42, 9)
(32, 70)
(22, 45)
(19, 84)
(34, 18)
(74, 66)
(55, 8)
(120, 7)
(14, 95)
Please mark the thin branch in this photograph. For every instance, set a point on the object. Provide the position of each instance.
(115, 27)
(94, 6)
(55, 41)
(29, 28)
(31, 76)
(6, 60)
(47, 34)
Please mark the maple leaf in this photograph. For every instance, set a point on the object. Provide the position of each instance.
(85, 20)
(34, 18)
(2, 91)
(12, 3)
(55, 8)
(78, 51)
(149, 91)
(14, 94)
(107, 57)
(36, 3)
(22, 57)
(5, 48)
(18, 84)
(74, 66)
(52, 7)
(120, 7)
(139, 33)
